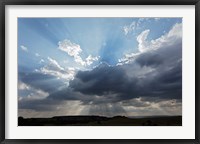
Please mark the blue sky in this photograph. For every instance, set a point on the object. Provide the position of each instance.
(62, 48)
(104, 37)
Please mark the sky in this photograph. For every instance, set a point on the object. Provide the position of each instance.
(99, 66)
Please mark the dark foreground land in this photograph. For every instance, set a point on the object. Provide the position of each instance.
(101, 121)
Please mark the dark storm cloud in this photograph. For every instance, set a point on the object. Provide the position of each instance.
(149, 59)
(106, 85)
(166, 84)
(165, 81)
(107, 109)
(39, 104)
(45, 82)
(103, 80)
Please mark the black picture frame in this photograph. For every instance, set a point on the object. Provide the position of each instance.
(4, 3)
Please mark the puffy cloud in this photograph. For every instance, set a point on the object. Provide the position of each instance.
(24, 48)
(127, 58)
(54, 69)
(74, 50)
(115, 81)
(142, 40)
(89, 60)
(54, 64)
(170, 39)
(156, 72)
(70, 48)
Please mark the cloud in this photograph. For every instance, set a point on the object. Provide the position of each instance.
(148, 82)
(129, 28)
(41, 61)
(99, 81)
(142, 20)
(54, 69)
(117, 90)
(70, 48)
(89, 60)
(74, 50)
(54, 64)
(38, 108)
(24, 48)
(37, 54)
(135, 25)
(38, 104)
(170, 39)
(33, 95)
(48, 78)
(142, 40)
(106, 109)
(23, 86)
(155, 72)
(116, 84)
(140, 107)
(45, 82)
(26, 92)
(136, 102)
(150, 59)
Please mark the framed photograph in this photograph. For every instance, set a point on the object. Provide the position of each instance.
(99, 71)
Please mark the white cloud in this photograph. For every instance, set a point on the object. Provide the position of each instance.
(37, 54)
(176, 31)
(54, 64)
(79, 60)
(129, 28)
(66, 74)
(143, 44)
(33, 92)
(74, 50)
(54, 69)
(136, 25)
(23, 86)
(36, 94)
(89, 60)
(70, 48)
(127, 58)
(168, 39)
(41, 61)
(24, 48)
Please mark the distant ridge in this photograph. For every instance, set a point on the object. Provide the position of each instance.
(87, 120)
